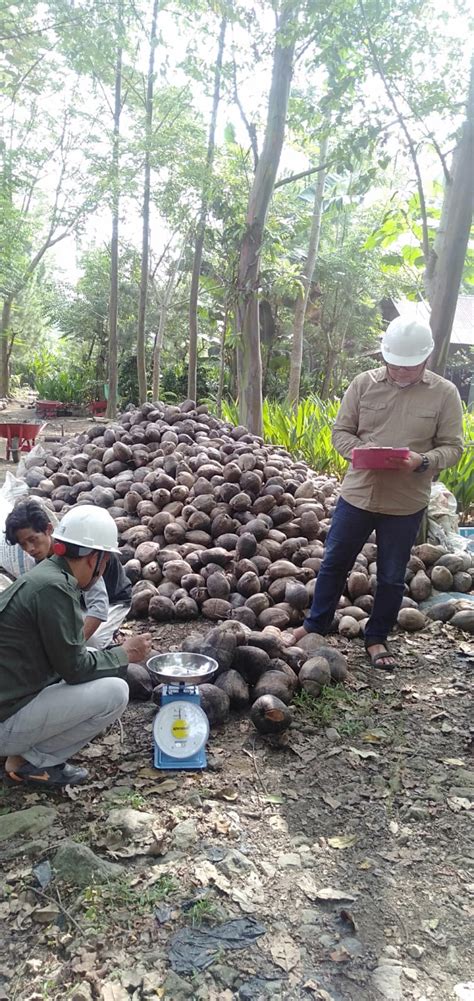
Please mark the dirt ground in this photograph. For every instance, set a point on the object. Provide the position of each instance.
(351, 845)
(348, 847)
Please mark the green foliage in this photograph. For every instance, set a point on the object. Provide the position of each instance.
(58, 375)
(117, 903)
(305, 434)
(336, 706)
(202, 911)
(459, 479)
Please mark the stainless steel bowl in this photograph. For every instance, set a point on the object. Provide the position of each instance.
(190, 668)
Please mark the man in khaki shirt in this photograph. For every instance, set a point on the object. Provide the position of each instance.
(401, 404)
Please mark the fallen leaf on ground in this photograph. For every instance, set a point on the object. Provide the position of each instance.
(457, 803)
(373, 736)
(285, 952)
(228, 793)
(343, 841)
(348, 919)
(331, 801)
(362, 753)
(340, 955)
(323, 893)
(113, 992)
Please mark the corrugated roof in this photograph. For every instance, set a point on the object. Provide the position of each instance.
(463, 325)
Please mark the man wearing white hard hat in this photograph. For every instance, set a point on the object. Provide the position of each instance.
(105, 604)
(55, 694)
(399, 404)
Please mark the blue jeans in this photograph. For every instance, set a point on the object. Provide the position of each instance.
(350, 529)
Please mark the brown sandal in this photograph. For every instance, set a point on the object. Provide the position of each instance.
(377, 658)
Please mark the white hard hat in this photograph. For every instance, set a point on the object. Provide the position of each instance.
(88, 527)
(406, 342)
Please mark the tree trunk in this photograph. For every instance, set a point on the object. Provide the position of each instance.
(306, 279)
(201, 226)
(4, 352)
(141, 331)
(247, 320)
(453, 239)
(114, 246)
(220, 391)
(161, 328)
(330, 361)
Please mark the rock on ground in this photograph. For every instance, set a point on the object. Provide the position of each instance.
(31, 821)
(77, 864)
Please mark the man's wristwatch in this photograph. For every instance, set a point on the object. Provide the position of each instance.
(424, 465)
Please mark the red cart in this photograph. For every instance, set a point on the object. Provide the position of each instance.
(97, 407)
(50, 408)
(20, 437)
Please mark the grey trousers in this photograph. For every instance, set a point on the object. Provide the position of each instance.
(61, 719)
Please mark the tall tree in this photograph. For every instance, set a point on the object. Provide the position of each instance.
(201, 225)
(247, 313)
(453, 237)
(114, 245)
(141, 333)
(306, 280)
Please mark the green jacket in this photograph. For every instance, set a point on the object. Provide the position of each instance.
(42, 637)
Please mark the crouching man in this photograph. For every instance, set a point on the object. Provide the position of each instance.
(55, 694)
(105, 604)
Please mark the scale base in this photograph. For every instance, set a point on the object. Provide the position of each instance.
(166, 763)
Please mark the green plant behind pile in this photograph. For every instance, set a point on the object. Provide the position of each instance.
(460, 478)
(304, 433)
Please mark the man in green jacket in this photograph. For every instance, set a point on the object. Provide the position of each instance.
(55, 694)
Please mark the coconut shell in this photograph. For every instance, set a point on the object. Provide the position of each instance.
(274, 617)
(453, 562)
(357, 584)
(296, 595)
(216, 608)
(314, 675)
(464, 620)
(161, 608)
(311, 642)
(411, 619)
(441, 578)
(442, 611)
(270, 715)
(274, 683)
(462, 581)
(233, 684)
(348, 627)
(336, 660)
(215, 703)
(251, 662)
(420, 586)
(139, 683)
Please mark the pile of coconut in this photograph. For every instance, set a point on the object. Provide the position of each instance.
(254, 668)
(213, 521)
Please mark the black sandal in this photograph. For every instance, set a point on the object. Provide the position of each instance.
(377, 658)
(52, 777)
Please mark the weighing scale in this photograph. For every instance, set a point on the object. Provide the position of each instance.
(181, 727)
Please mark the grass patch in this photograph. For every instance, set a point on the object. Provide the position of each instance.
(129, 798)
(332, 708)
(117, 903)
(201, 912)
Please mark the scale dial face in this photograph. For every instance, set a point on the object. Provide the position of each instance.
(181, 728)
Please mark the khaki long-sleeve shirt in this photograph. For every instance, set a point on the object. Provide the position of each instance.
(426, 417)
(42, 637)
